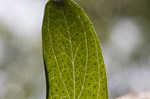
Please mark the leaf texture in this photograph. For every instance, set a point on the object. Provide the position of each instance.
(72, 55)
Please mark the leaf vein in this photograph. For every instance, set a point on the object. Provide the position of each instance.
(86, 43)
(73, 65)
(57, 61)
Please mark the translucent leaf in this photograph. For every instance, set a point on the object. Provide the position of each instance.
(73, 59)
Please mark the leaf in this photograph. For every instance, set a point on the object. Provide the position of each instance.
(73, 59)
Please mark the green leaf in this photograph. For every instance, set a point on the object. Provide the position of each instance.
(72, 55)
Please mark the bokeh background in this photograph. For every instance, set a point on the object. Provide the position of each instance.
(123, 27)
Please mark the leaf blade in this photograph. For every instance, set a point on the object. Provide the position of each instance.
(72, 54)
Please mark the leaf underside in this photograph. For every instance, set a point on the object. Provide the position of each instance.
(73, 59)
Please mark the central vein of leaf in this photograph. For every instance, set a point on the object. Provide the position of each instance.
(72, 54)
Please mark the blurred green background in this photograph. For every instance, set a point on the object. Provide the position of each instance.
(123, 27)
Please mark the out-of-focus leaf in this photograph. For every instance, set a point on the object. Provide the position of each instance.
(73, 59)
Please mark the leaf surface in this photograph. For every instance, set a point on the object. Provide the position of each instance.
(72, 55)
